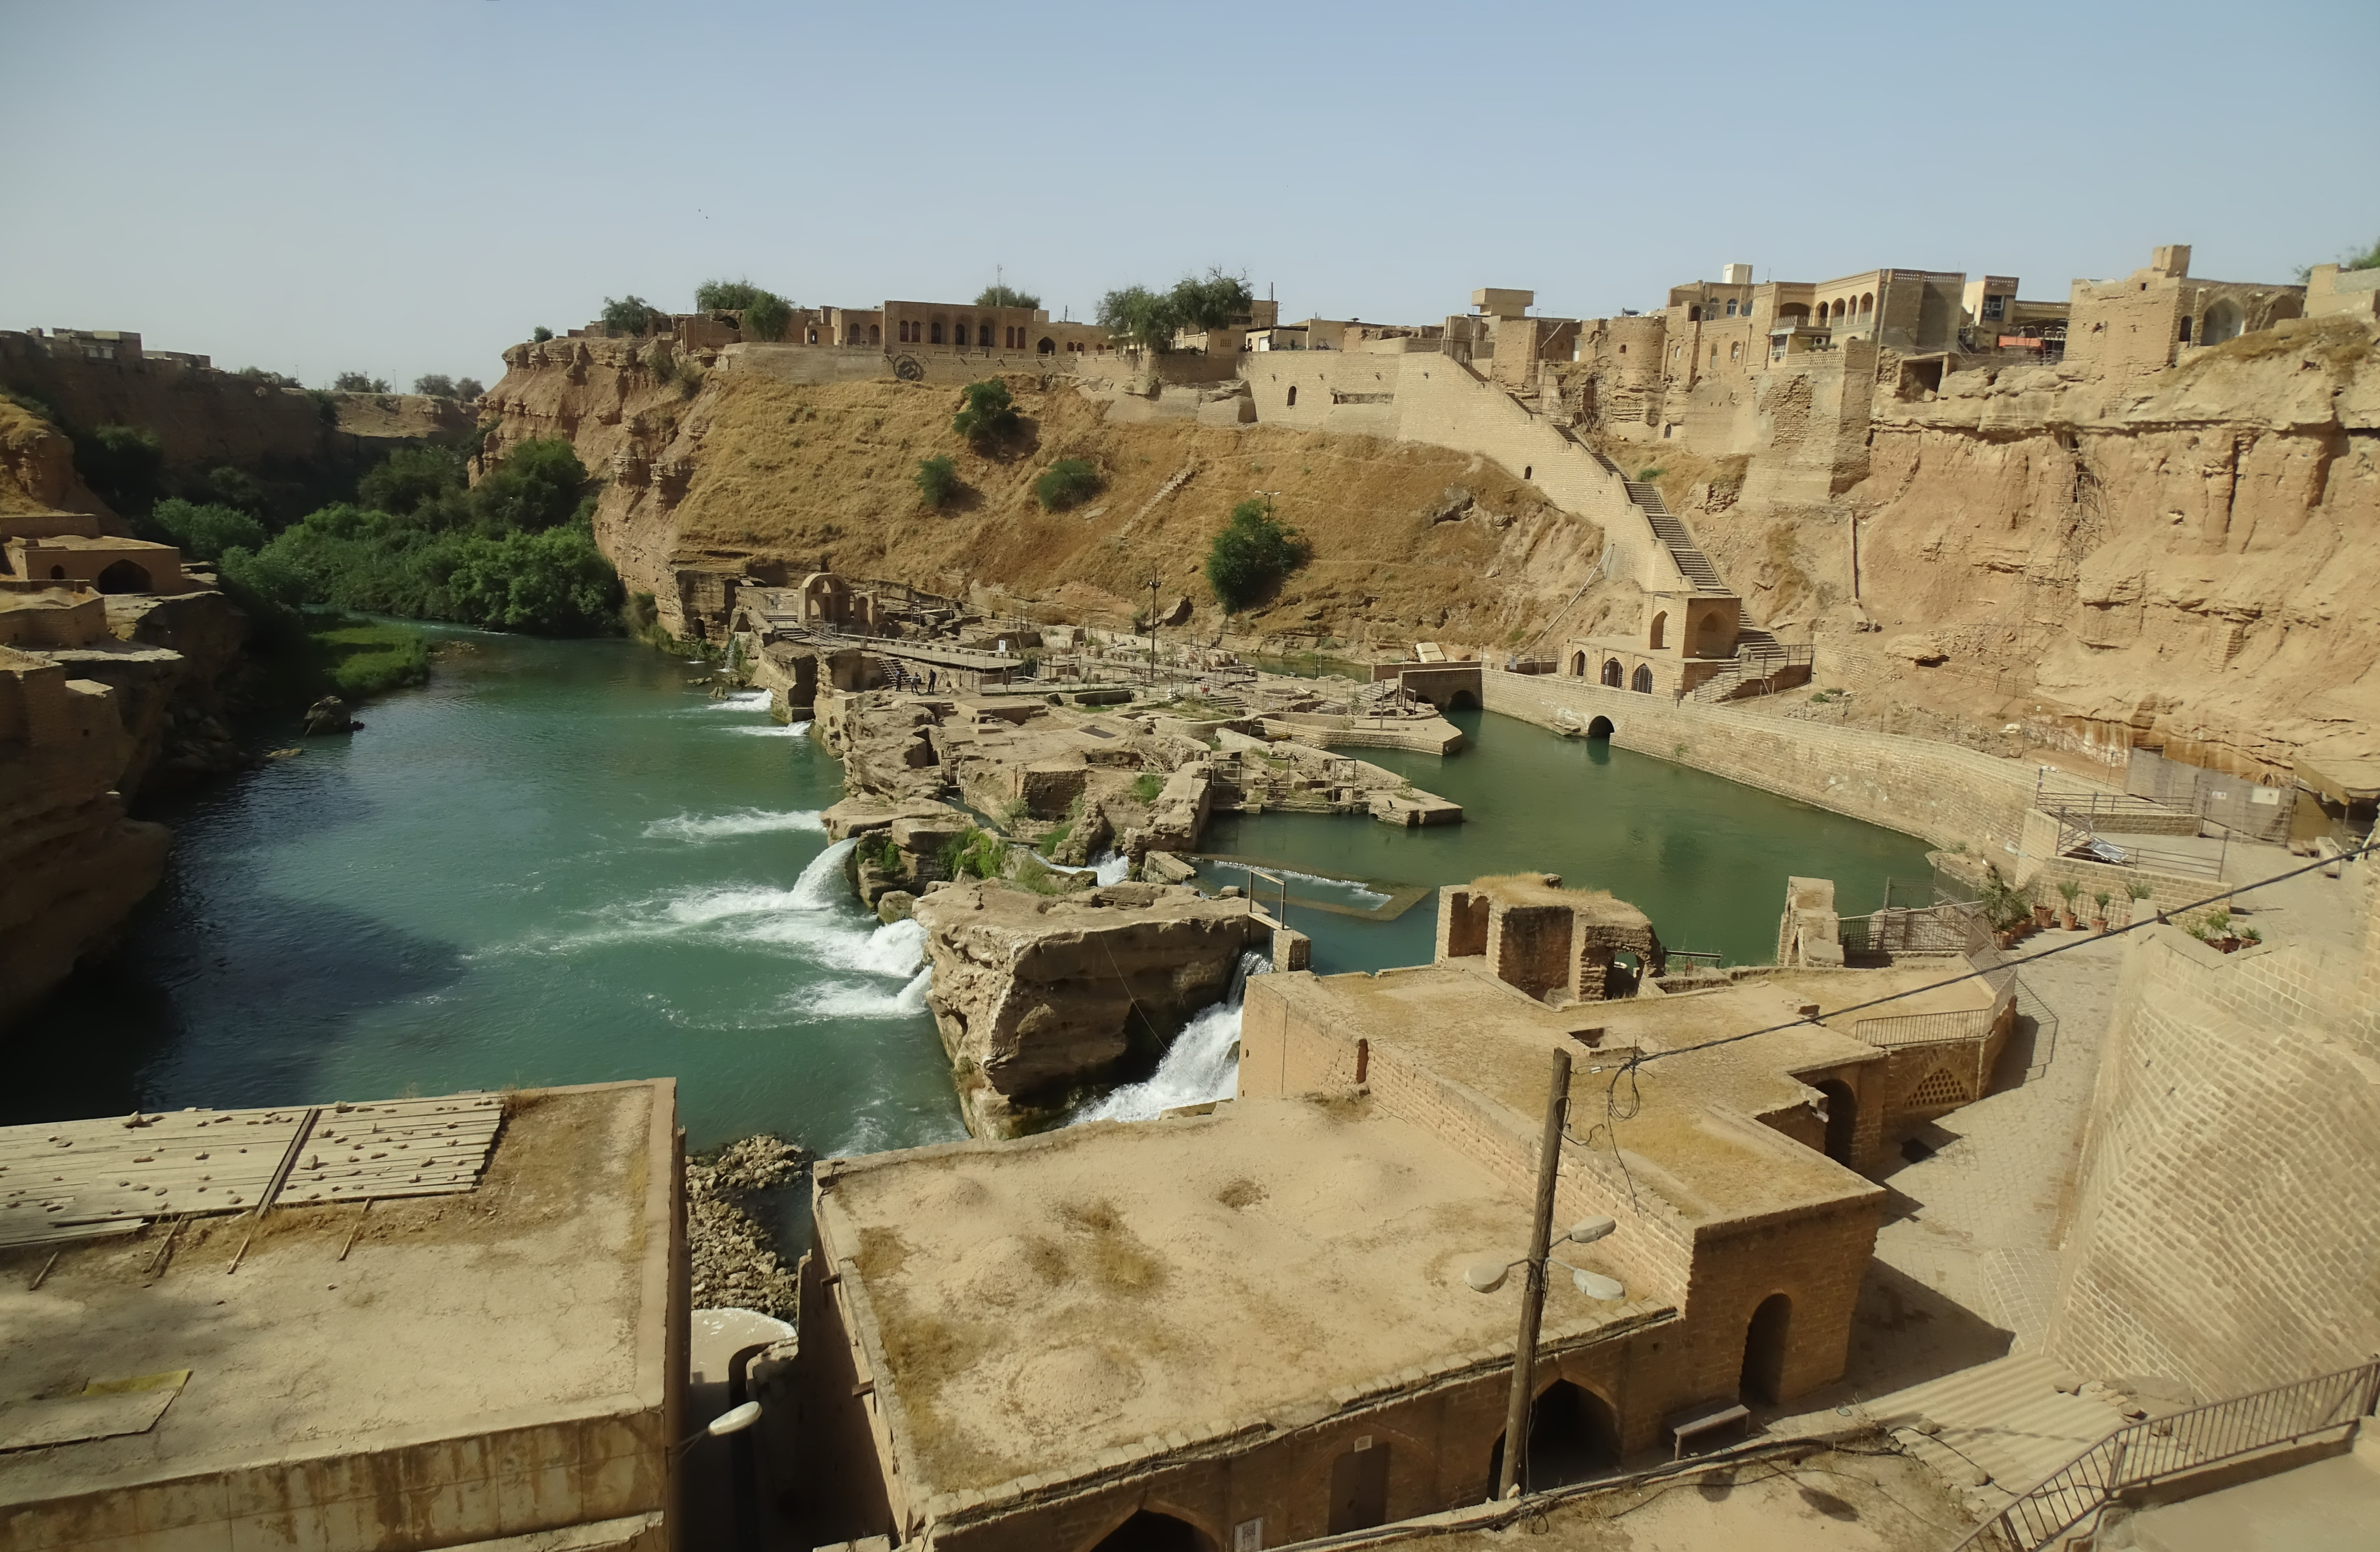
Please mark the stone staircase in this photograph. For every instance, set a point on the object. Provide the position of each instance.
(2005, 1422)
(1760, 660)
(1666, 528)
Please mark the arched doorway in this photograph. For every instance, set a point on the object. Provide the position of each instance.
(1574, 1433)
(1763, 1350)
(1842, 1119)
(1660, 628)
(1624, 974)
(1613, 673)
(1359, 1487)
(1148, 1531)
(2222, 322)
(1578, 665)
(1047, 348)
(1642, 679)
(1462, 701)
(124, 576)
(1599, 727)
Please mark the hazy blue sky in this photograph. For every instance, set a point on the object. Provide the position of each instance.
(408, 186)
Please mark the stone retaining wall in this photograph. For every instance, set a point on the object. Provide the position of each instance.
(1937, 792)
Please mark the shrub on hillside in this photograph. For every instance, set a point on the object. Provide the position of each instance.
(538, 484)
(725, 296)
(540, 335)
(766, 317)
(436, 385)
(1007, 296)
(205, 530)
(938, 480)
(1068, 482)
(359, 382)
(1251, 555)
(989, 416)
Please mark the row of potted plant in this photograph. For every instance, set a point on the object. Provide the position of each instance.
(2012, 912)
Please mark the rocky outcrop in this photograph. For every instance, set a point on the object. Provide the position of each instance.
(1036, 998)
(37, 472)
(71, 866)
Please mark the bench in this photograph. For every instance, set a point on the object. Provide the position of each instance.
(1699, 1421)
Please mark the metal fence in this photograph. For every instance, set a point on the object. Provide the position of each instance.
(2140, 1454)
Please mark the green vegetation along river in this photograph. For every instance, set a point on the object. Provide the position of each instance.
(560, 863)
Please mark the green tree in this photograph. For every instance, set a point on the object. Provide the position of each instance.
(410, 478)
(1251, 555)
(938, 480)
(1006, 296)
(725, 296)
(989, 417)
(1068, 482)
(227, 486)
(540, 335)
(629, 315)
(205, 530)
(121, 463)
(539, 485)
(265, 379)
(469, 388)
(766, 316)
(359, 382)
(1140, 316)
(1213, 301)
(436, 385)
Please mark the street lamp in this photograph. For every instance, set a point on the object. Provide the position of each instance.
(1485, 1277)
(734, 1419)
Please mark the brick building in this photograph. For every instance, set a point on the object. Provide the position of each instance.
(1249, 1325)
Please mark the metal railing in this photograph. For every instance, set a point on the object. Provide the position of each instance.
(1925, 1029)
(2143, 1453)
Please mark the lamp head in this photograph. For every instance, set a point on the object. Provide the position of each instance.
(1485, 1277)
(734, 1419)
(1586, 1230)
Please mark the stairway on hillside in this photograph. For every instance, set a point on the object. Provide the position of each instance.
(1690, 559)
(2006, 1420)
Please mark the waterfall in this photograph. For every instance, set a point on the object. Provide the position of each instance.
(1110, 866)
(1201, 1064)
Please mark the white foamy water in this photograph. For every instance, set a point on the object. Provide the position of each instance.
(737, 701)
(813, 920)
(744, 821)
(1357, 892)
(1202, 1064)
(1110, 866)
(773, 730)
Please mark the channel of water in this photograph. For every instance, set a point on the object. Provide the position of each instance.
(560, 863)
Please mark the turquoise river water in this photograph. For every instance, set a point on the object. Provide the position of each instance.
(560, 863)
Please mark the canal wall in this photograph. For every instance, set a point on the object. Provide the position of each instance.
(1937, 792)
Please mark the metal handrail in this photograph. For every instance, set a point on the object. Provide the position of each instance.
(2142, 1453)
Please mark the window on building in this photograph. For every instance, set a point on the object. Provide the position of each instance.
(1623, 350)
(875, 333)
(2185, 331)
(936, 333)
(1995, 308)
(1867, 305)
(1735, 351)
(1694, 315)
(1731, 307)
(1293, 394)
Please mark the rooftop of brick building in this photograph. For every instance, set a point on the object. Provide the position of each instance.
(1046, 1303)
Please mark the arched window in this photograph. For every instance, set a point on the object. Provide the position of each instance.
(1694, 315)
(1047, 348)
(1612, 672)
(2185, 331)
(935, 334)
(1659, 628)
(1642, 679)
(1735, 351)
(1731, 307)
(1578, 665)
(875, 333)
(1292, 396)
(1763, 1350)
(1867, 304)
(2223, 322)
(1528, 471)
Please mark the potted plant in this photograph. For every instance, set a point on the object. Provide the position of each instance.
(2135, 891)
(2099, 923)
(2067, 890)
(2043, 913)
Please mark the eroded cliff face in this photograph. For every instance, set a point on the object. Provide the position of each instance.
(37, 472)
(752, 476)
(71, 866)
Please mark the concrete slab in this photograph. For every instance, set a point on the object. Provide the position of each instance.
(2331, 1506)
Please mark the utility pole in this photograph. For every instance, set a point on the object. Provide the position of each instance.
(1533, 1292)
(1155, 580)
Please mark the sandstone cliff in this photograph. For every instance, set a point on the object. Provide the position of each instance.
(71, 866)
(37, 472)
(753, 476)
(1037, 997)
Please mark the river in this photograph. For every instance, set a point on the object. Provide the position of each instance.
(560, 863)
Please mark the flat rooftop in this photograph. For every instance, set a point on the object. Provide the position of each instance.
(1456, 1019)
(1041, 1303)
(537, 1298)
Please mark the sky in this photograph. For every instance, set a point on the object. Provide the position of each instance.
(409, 186)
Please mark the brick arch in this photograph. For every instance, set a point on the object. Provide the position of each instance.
(1210, 1536)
